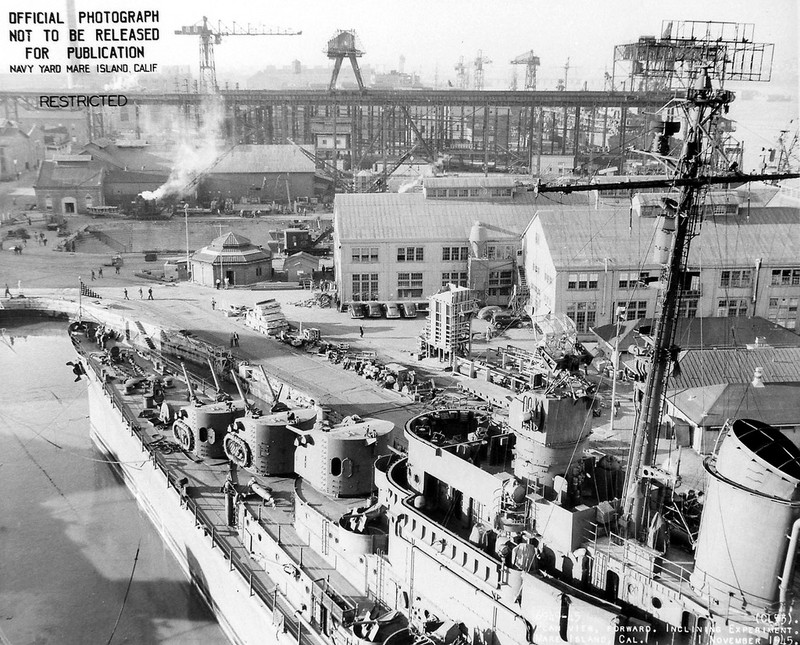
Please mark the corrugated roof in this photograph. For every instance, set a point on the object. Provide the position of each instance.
(259, 159)
(582, 237)
(699, 368)
(409, 216)
(709, 332)
(53, 175)
(470, 181)
(776, 404)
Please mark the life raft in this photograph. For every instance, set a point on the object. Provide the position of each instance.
(237, 450)
(183, 435)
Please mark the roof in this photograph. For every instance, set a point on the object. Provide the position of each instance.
(470, 181)
(232, 249)
(301, 258)
(708, 332)
(409, 216)
(261, 159)
(11, 128)
(69, 175)
(126, 158)
(700, 368)
(712, 406)
(586, 237)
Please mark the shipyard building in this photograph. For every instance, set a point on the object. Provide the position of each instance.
(408, 246)
(579, 254)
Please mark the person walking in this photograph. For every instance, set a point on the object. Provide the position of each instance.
(150, 293)
(100, 272)
(213, 304)
(92, 274)
(236, 339)
(361, 331)
(8, 291)
(141, 294)
(233, 338)
(116, 269)
(125, 291)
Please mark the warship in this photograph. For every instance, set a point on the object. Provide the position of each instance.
(487, 528)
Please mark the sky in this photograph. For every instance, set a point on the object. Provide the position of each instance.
(433, 34)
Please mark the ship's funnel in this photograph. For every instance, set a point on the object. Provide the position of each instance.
(752, 500)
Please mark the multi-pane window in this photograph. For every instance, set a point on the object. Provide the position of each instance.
(736, 278)
(455, 253)
(365, 254)
(582, 281)
(634, 310)
(409, 285)
(410, 254)
(365, 286)
(458, 278)
(500, 283)
(688, 308)
(584, 315)
(630, 279)
(783, 277)
(732, 307)
(783, 311)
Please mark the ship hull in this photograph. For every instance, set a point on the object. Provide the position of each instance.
(243, 616)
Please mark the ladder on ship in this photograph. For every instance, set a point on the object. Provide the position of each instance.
(148, 341)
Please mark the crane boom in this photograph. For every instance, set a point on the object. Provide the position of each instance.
(210, 37)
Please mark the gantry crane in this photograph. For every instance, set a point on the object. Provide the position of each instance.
(210, 37)
(345, 44)
(478, 63)
(531, 62)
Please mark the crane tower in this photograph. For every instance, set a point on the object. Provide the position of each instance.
(478, 63)
(531, 62)
(210, 37)
(345, 44)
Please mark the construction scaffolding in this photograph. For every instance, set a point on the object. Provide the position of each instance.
(447, 331)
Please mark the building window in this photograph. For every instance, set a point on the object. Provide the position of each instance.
(458, 278)
(455, 253)
(631, 279)
(732, 307)
(784, 277)
(688, 308)
(500, 283)
(365, 286)
(736, 278)
(582, 281)
(258, 271)
(410, 254)
(634, 310)
(409, 285)
(583, 314)
(783, 311)
(365, 254)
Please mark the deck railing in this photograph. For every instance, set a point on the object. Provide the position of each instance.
(202, 520)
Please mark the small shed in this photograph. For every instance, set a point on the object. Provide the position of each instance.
(233, 260)
(300, 266)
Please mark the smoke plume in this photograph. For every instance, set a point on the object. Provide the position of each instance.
(196, 151)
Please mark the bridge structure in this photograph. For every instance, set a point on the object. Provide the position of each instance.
(489, 130)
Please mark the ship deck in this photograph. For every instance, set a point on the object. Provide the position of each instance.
(203, 480)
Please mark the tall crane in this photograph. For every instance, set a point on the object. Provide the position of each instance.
(478, 63)
(531, 62)
(210, 37)
(461, 74)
